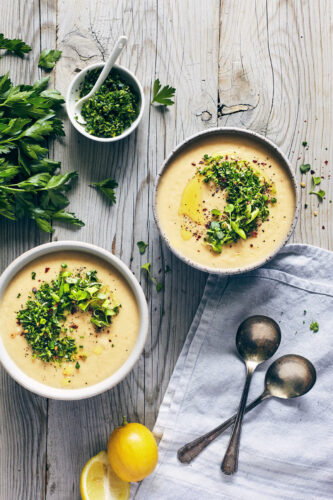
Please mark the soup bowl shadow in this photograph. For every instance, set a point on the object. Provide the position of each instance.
(88, 391)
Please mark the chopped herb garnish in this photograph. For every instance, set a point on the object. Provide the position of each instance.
(33, 275)
(216, 213)
(304, 143)
(18, 295)
(107, 187)
(248, 196)
(321, 193)
(77, 365)
(15, 46)
(163, 96)
(44, 316)
(48, 58)
(314, 326)
(112, 109)
(305, 168)
(159, 286)
(142, 246)
(316, 180)
(167, 269)
(64, 265)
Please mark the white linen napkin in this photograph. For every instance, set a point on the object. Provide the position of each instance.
(286, 447)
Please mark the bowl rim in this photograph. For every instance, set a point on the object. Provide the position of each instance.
(89, 391)
(228, 131)
(79, 127)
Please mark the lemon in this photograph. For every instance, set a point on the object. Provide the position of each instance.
(99, 482)
(133, 452)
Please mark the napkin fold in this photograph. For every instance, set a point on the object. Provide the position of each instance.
(286, 446)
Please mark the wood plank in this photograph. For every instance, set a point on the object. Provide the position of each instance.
(162, 43)
(23, 416)
(275, 58)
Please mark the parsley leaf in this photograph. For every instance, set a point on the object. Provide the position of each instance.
(107, 187)
(314, 326)
(163, 95)
(15, 45)
(159, 285)
(142, 246)
(48, 58)
(321, 193)
(305, 168)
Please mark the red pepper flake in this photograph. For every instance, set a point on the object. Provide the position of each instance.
(46, 270)
(326, 162)
(299, 158)
(323, 227)
(75, 327)
(251, 245)
(255, 161)
(194, 164)
(254, 234)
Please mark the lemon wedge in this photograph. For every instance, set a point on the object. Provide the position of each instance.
(99, 482)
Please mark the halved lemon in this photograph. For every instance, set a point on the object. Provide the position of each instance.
(99, 481)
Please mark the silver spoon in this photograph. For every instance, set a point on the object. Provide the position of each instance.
(257, 339)
(118, 48)
(287, 377)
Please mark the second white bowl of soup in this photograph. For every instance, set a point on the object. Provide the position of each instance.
(226, 201)
(74, 320)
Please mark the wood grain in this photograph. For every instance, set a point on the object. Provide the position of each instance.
(261, 65)
(275, 57)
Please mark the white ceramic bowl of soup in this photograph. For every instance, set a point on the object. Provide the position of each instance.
(128, 281)
(181, 165)
(73, 95)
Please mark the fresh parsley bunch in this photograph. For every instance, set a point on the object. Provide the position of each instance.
(29, 182)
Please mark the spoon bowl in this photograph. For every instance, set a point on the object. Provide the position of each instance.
(290, 376)
(258, 338)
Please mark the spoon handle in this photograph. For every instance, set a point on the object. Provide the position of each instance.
(121, 42)
(191, 450)
(230, 460)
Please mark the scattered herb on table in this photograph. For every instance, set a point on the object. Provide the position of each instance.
(248, 198)
(320, 194)
(314, 326)
(15, 46)
(158, 284)
(29, 184)
(163, 96)
(112, 109)
(316, 180)
(304, 143)
(33, 275)
(142, 246)
(107, 187)
(167, 269)
(48, 58)
(304, 168)
(44, 315)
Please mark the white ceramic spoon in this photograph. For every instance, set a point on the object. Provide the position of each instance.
(118, 48)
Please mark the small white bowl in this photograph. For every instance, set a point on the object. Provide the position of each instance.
(86, 392)
(73, 96)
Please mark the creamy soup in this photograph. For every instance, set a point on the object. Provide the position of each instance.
(186, 229)
(100, 352)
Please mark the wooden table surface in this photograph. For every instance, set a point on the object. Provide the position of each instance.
(262, 65)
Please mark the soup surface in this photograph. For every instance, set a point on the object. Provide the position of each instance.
(186, 230)
(100, 352)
